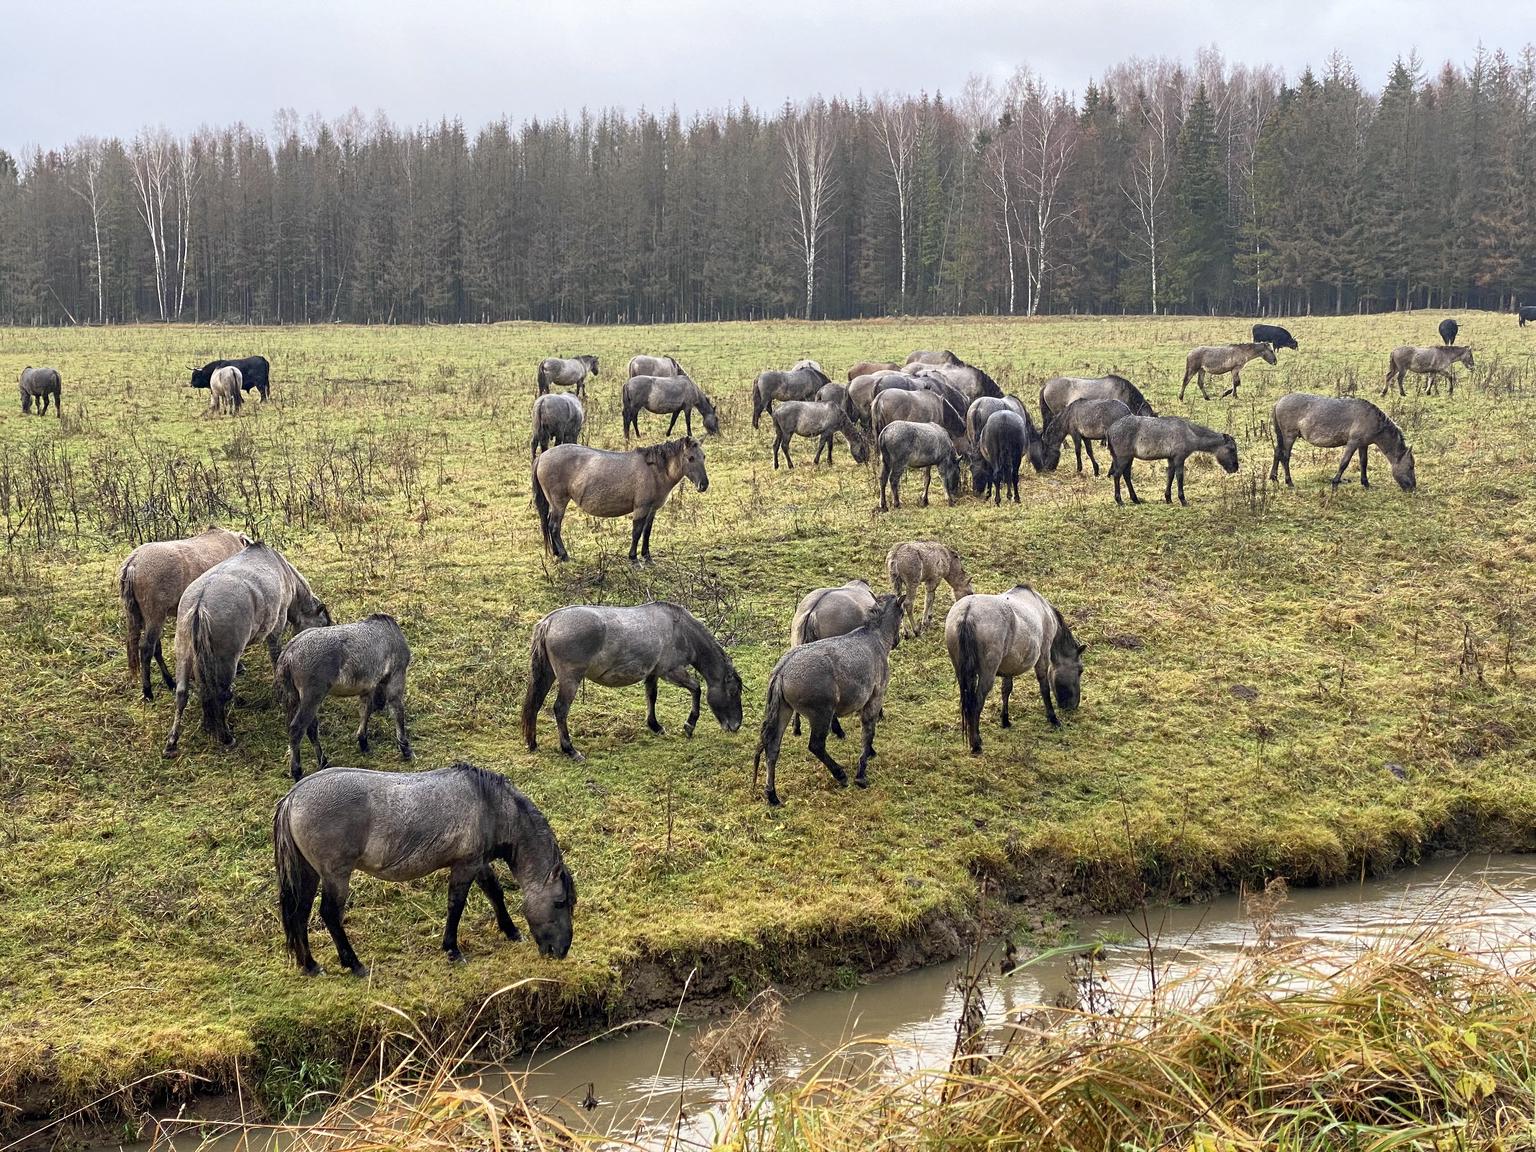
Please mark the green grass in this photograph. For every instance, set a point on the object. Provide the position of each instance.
(137, 920)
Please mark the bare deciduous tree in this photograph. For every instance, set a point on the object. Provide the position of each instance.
(87, 158)
(1046, 133)
(896, 130)
(808, 151)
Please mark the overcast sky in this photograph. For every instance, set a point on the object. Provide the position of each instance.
(109, 67)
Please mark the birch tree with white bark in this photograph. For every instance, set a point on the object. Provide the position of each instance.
(896, 131)
(808, 155)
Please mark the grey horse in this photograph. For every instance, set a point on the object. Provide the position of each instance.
(824, 612)
(1005, 441)
(969, 379)
(819, 421)
(1431, 362)
(923, 356)
(904, 444)
(1085, 421)
(1218, 360)
(655, 366)
(1059, 391)
(1006, 636)
(42, 384)
(983, 407)
(405, 825)
(224, 392)
(866, 367)
(863, 389)
(943, 406)
(674, 395)
(251, 596)
(568, 373)
(558, 417)
(1340, 422)
(1169, 438)
(619, 646)
(367, 659)
(801, 382)
(922, 564)
(634, 484)
(149, 586)
(838, 676)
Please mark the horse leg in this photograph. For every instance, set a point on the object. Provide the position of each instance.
(687, 421)
(396, 696)
(333, 904)
(1087, 445)
(927, 608)
(1129, 487)
(1114, 473)
(1349, 450)
(1181, 483)
(1185, 384)
(927, 483)
(459, 881)
(1077, 447)
(1007, 692)
(181, 707)
(564, 694)
(1283, 450)
(773, 739)
(1042, 674)
(1237, 379)
(868, 715)
(788, 459)
(365, 714)
(1365, 480)
(645, 543)
(686, 679)
(556, 522)
(650, 705)
(1168, 487)
(151, 648)
(821, 724)
(308, 885)
(303, 720)
(637, 527)
(1200, 380)
(486, 879)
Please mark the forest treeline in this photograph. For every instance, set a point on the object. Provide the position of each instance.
(1164, 186)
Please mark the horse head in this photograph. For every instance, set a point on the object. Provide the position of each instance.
(1268, 352)
(1226, 455)
(725, 698)
(693, 463)
(547, 906)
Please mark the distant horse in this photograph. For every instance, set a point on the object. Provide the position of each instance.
(224, 391)
(824, 612)
(866, 367)
(557, 416)
(1340, 422)
(655, 366)
(922, 564)
(255, 373)
(677, 395)
(1169, 438)
(819, 421)
(825, 679)
(1085, 421)
(150, 584)
(1527, 313)
(1431, 362)
(253, 595)
(42, 385)
(1220, 359)
(1005, 440)
(367, 659)
(923, 356)
(904, 444)
(1273, 335)
(1007, 636)
(968, 378)
(1448, 330)
(801, 382)
(1059, 391)
(403, 826)
(634, 484)
(616, 647)
(571, 373)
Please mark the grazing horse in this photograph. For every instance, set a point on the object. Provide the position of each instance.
(825, 679)
(1340, 422)
(869, 367)
(922, 564)
(1059, 391)
(983, 407)
(925, 357)
(367, 659)
(655, 366)
(1085, 421)
(150, 584)
(42, 384)
(1273, 335)
(801, 382)
(224, 391)
(1006, 636)
(945, 408)
(1431, 362)
(1448, 330)
(570, 373)
(1527, 312)
(862, 391)
(255, 372)
(634, 484)
(617, 647)
(403, 826)
(824, 612)
(557, 416)
(819, 420)
(677, 395)
(969, 379)
(1005, 440)
(1218, 360)
(253, 595)
(1169, 438)
(907, 444)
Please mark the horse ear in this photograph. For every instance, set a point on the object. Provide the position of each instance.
(1083, 647)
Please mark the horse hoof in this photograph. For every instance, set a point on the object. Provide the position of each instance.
(688, 731)
(773, 798)
(360, 970)
(1006, 723)
(576, 757)
(860, 782)
(975, 749)
(456, 957)
(170, 752)
(406, 754)
(362, 745)
(655, 726)
(842, 781)
(311, 969)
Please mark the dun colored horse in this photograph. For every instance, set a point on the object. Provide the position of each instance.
(1169, 438)
(1431, 362)
(42, 385)
(571, 373)
(1218, 360)
(922, 564)
(1340, 422)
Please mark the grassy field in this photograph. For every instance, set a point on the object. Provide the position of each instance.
(137, 905)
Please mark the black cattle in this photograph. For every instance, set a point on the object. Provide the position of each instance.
(1274, 335)
(1527, 313)
(254, 373)
(1448, 330)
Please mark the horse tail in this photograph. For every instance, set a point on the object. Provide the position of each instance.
(295, 876)
(541, 677)
(968, 672)
(757, 402)
(132, 613)
(770, 717)
(1045, 409)
(211, 690)
(284, 689)
(543, 378)
(541, 502)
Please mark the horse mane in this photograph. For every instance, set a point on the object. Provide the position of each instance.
(1137, 400)
(380, 616)
(660, 453)
(493, 786)
(704, 403)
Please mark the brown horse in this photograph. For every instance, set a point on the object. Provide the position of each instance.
(634, 484)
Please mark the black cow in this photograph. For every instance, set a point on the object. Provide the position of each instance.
(1274, 335)
(254, 373)
(1527, 313)
(1448, 330)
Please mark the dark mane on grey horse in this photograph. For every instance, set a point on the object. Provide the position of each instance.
(660, 453)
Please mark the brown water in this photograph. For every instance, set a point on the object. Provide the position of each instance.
(645, 1084)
